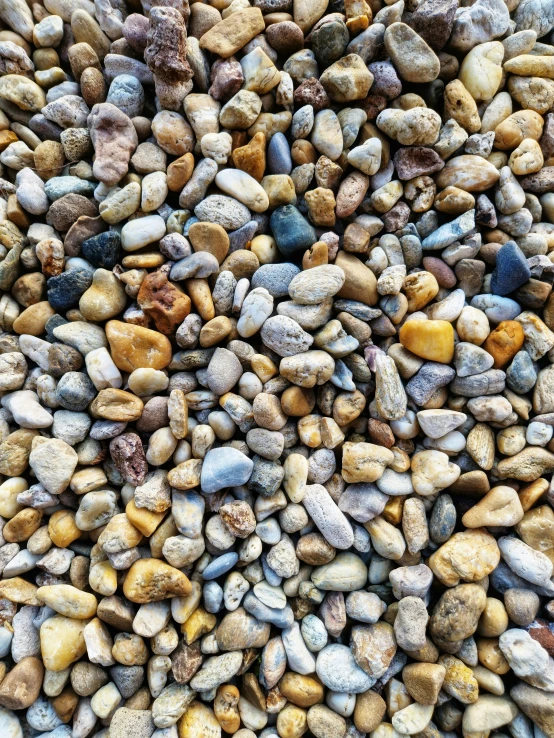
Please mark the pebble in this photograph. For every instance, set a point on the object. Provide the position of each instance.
(337, 669)
(297, 385)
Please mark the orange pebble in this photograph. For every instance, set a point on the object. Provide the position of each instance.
(504, 342)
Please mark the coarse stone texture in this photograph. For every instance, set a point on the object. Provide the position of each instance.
(276, 368)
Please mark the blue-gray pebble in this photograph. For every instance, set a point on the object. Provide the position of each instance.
(521, 375)
(220, 566)
(65, 290)
(278, 155)
(275, 278)
(511, 271)
(102, 250)
(291, 230)
(127, 94)
(75, 391)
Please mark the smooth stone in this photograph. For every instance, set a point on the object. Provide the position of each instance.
(291, 230)
(511, 270)
(338, 670)
(225, 467)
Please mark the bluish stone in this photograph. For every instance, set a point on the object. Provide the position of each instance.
(127, 94)
(63, 89)
(75, 391)
(266, 477)
(127, 679)
(280, 617)
(367, 42)
(512, 270)
(411, 248)
(102, 250)
(275, 278)
(77, 262)
(65, 290)
(496, 308)
(450, 232)
(342, 377)
(278, 155)
(443, 519)
(221, 565)
(213, 597)
(222, 467)
(503, 578)
(271, 576)
(58, 187)
(521, 375)
(291, 230)
(428, 380)
(41, 715)
(52, 323)
(329, 42)
(45, 129)
(427, 223)
(190, 221)
(357, 309)
(62, 731)
(102, 430)
(262, 221)
(239, 238)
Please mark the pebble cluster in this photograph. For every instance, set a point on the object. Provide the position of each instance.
(276, 368)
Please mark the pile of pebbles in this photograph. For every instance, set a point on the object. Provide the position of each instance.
(276, 369)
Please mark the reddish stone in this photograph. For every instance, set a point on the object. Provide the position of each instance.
(416, 161)
(372, 105)
(396, 218)
(129, 459)
(543, 632)
(311, 92)
(163, 301)
(185, 661)
(440, 270)
(433, 21)
(380, 433)
(166, 53)
(286, 37)
(227, 79)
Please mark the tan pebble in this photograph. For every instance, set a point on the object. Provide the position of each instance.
(459, 681)
(494, 619)
(115, 404)
(198, 624)
(104, 299)
(292, 722)
(33, 319)
(468, 556)
(369, 711)
(62, 528)
(303, 691)
(225, 707)
(62, 642)
(22, 526)
(513, 130)
(500, 506)
(20, 591)
(230, 35)
(491, 656)
(199, 721)
(151, 580)
(145, 520)
(133, 346)
(364, 462)
(21, 687)
(424, 681)
(68, 601)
